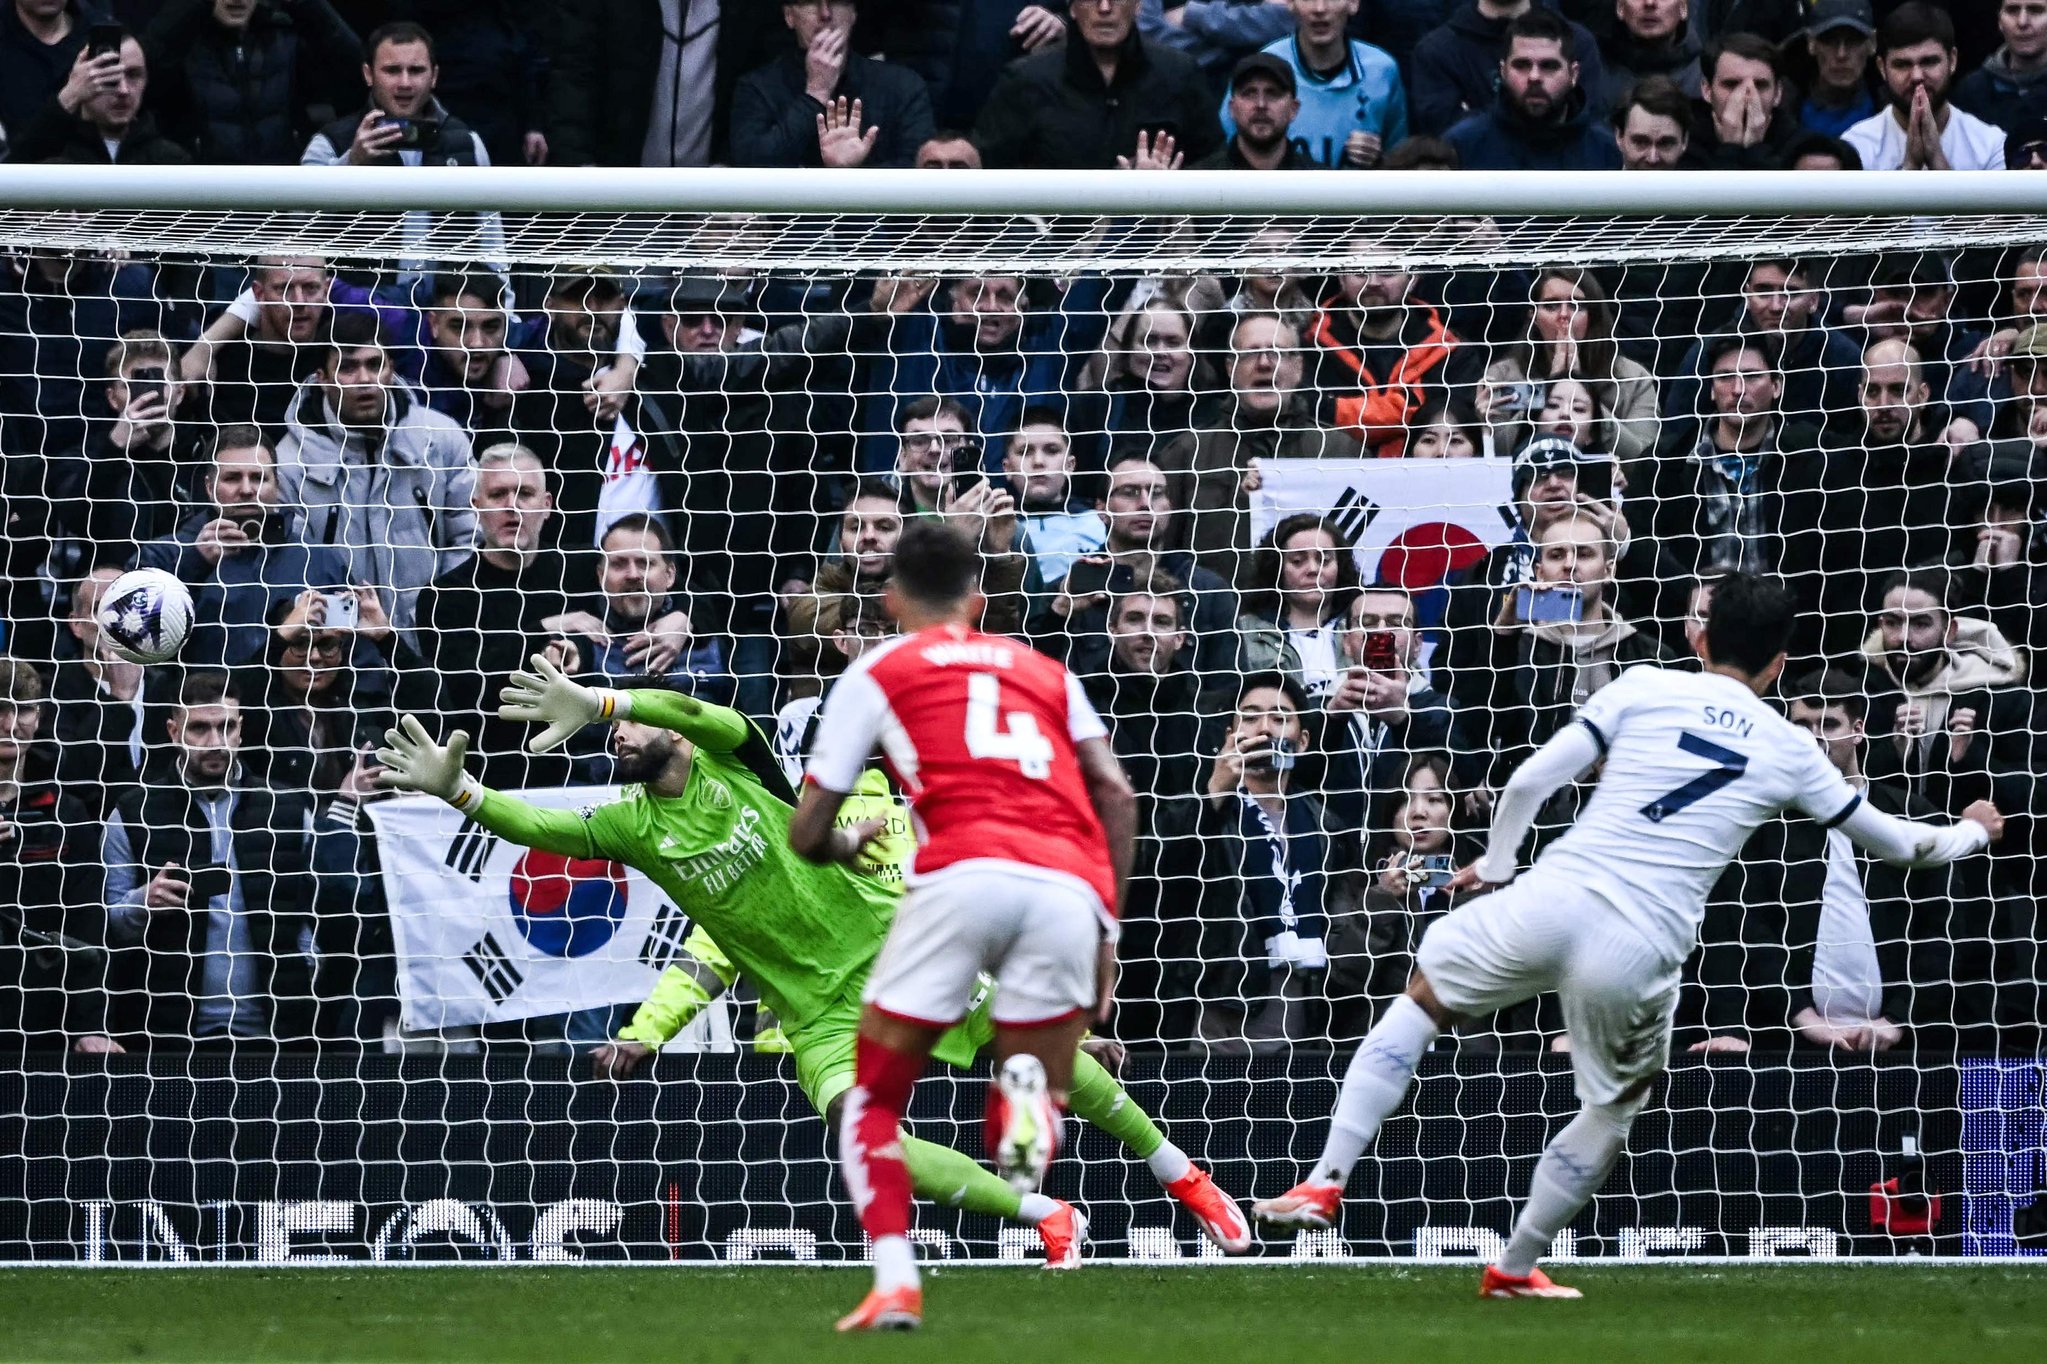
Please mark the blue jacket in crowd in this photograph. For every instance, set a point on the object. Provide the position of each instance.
(1365, 96)
(1457, 68)
(1502, 138)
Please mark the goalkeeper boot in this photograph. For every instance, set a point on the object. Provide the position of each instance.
(1222, 1221)
(1063, 1233)
(1304, 1205)
(1023, 1123)
(887, 1309)
(1494, 1284)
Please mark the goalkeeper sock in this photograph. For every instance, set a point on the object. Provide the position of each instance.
(1373, 1086)
(1098, 1099)
(872, 1159)
(944, 1175)
(1572, 1168)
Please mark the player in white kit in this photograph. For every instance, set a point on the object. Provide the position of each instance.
(1694, 762)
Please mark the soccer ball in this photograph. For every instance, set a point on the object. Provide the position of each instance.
(145, 616)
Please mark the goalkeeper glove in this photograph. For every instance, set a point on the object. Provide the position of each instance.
(547, 696)
(412, 761)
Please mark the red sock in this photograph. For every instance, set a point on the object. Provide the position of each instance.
(870, 1143)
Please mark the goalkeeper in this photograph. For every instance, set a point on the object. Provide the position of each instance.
(705, 817)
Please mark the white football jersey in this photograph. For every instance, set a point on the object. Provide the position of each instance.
(1695, 762)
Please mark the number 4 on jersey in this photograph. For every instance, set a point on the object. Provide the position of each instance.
(1021, 743)
(1731, 765)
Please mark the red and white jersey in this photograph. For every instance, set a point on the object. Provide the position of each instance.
(981, 733)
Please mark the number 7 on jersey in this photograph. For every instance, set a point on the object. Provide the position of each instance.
(1021, 742)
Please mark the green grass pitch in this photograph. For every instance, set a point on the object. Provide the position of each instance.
(1668, 1314)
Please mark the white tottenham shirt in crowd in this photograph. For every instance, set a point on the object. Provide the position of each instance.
(1968, 142)
(1694, 763)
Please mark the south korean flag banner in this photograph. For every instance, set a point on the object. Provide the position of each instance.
(488, 931)
(1415, 522)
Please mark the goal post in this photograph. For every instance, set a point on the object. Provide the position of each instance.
(1419, 460)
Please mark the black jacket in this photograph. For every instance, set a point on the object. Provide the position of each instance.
(251, 97)
(1503, 138)
(156, 983)
(607, 60)
(53, 135)
(1757, 945)
(493, 61)
(1693, 513)
(1053, 110)
(96, 737)
(1456, 68)
(52, 971)
(31, 73)
(774, 119)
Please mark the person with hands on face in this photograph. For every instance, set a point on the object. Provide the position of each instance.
(1746, 127)
(1921, 130)
(823, 104)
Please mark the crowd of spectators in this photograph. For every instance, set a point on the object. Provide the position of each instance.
(387, 489)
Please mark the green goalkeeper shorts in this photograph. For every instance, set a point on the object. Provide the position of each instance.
(824, 1045)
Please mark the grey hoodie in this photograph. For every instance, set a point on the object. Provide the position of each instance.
(393, 500)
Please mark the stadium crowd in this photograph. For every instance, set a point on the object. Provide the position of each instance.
(387, 491)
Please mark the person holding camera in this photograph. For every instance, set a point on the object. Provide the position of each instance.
(1268, 850)
(242, 554)
(405, 125)
(96, 117)
(126, 485)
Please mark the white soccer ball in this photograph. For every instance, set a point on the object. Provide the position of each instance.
(146, 615)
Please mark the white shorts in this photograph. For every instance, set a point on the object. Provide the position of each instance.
(1036, 933)
(1541, 933)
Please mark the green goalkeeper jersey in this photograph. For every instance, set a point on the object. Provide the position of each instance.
(720, 851)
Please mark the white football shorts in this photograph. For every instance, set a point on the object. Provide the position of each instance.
(1540, 933)
(1036, 932)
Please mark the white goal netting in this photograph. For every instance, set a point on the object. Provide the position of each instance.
(1393, 492)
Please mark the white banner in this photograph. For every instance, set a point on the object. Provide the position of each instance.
(1422, 517)
(488, 931)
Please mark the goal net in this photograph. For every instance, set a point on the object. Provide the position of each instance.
(1339, 494)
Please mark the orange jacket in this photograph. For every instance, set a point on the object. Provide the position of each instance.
(1378, 413)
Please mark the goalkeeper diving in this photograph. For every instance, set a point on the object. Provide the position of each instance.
(705, 817)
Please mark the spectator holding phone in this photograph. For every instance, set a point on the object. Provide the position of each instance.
(404, 125)
(1269, 860)
(129, 484)
(241, 552)
(207, 891)
(1383, 710)
(1410, 861)
(39, 41)
(312, 708)
(97, 118)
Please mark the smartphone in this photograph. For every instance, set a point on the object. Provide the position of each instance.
(1278, 758)
(963, 467)
(209, 882)
(1380, 653)
(1436, 871)
(343, 611)
(104, 38)
(415, 132)
(146, 380)
(1559, 605)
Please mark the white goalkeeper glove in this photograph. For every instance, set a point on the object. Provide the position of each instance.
(412, 761)
(547, 696)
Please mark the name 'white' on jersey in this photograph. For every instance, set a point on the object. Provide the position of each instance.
(1695, 762)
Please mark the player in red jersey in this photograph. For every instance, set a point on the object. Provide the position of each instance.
(1025, 827)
